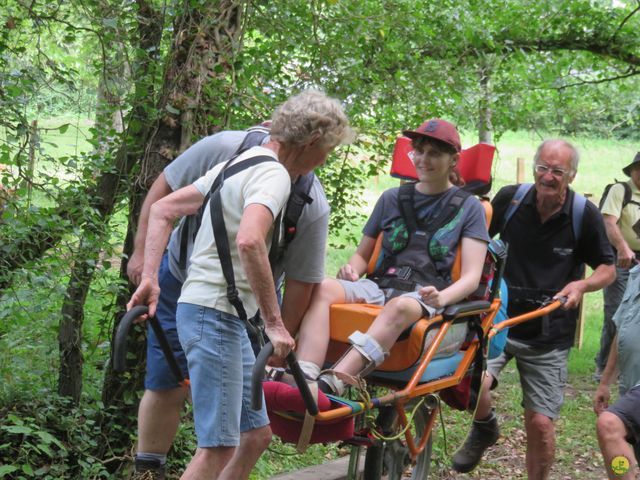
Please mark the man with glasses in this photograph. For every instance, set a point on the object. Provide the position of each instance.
(549, 241)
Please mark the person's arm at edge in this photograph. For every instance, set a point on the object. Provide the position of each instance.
(162, 215)
(254, 227)
(609, 375)
(159, 189)
(602, 276)
(625, 255)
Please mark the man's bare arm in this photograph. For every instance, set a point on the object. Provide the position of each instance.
(162, 215)
(601, 277)
(251, 241)
(625, 255)
(158, 190)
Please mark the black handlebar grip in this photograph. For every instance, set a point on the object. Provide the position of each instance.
(301, 382)
(120, 341)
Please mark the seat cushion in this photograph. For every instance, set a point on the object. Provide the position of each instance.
(347, 318)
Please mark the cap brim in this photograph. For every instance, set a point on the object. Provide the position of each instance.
(413, 134)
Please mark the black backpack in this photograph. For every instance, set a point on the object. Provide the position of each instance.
(626, 200)
(298, 198)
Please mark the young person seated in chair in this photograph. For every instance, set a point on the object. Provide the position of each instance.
(413, 275)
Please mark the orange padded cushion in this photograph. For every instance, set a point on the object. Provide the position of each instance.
(371, 266)
(347, 318)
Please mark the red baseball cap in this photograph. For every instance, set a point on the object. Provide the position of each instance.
(439, 129)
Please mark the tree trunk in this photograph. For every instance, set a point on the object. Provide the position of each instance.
(70, 330)
(110, 187)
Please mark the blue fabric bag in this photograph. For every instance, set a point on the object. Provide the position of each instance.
(497, 344)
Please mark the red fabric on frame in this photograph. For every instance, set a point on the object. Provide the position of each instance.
(280, 397)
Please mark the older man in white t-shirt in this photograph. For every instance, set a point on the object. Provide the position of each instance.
(231, 437)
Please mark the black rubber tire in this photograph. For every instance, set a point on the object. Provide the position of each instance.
(390, 460)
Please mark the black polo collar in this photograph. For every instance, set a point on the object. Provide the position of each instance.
(531, 196)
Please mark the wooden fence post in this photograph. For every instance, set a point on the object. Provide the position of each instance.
(520, 170)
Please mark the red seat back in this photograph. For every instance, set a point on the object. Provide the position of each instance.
(474, 165)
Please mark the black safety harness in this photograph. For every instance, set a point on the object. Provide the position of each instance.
(413, 267)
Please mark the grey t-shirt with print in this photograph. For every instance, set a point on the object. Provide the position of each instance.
(303, 260)
(469, 222)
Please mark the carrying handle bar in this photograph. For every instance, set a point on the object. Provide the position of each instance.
(120, 343)
(296, 371)
(547, 307)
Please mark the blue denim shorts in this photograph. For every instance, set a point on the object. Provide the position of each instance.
(158, 375)
(220, 360)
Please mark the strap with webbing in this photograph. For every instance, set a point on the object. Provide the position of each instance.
(437, 219)
(220, 229)
(405, 201)
(577, 209)
(297, 200)
(255, 136)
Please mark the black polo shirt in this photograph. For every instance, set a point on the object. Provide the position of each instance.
(543, 258)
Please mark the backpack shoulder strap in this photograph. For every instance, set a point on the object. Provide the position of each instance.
(516, 200)
(255, 136)
(627, 195)
(297, 200)
(220, 229)
(405, 203)
(577, 214)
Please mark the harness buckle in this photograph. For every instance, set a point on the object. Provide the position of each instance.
(232, 294)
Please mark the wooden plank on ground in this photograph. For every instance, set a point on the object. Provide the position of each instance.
(333, 470)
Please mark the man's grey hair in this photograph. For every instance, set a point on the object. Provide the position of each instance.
(575, 155)
(309, 115)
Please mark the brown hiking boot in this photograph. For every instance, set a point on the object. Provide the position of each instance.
(483, 434)
(148, 470)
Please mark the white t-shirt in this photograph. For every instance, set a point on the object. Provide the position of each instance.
(303, 258)
(267, 184)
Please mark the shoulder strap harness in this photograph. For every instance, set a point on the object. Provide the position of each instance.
(413, 267)
(255, 136)
(220, 230)
(577, 209)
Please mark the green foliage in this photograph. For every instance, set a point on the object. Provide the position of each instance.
(47, 437)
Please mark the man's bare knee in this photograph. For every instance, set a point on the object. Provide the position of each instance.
(257, 439)
(171, 398)
(541, 426)
(609, 426)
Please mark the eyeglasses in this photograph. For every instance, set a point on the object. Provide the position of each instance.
(556, 172)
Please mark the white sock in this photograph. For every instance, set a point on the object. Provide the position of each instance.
(310, 369)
